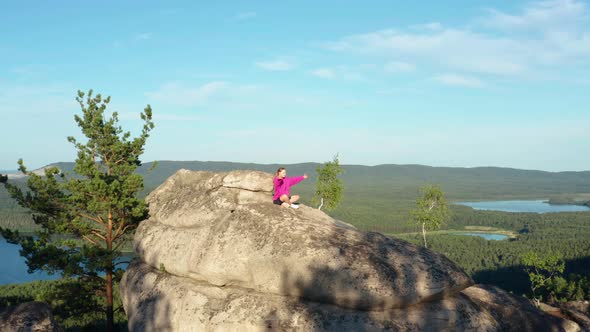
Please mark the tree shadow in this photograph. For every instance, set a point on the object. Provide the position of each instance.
(359, 307)
(515, 279)
(448, 310)
(146, 307)
(511, 278)
(8, 301)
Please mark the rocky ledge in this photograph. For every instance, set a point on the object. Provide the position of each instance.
(217, 254)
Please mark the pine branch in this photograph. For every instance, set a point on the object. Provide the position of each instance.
(90, 240)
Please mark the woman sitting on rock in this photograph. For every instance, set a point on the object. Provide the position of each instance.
(282, 184)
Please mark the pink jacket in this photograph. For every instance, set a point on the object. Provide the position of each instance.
(282, 186)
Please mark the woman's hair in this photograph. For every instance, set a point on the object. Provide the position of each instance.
(279, 170)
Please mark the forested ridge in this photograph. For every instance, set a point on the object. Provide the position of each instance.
(379, 198)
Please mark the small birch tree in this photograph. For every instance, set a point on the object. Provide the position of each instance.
(431, 210)
(329, 187)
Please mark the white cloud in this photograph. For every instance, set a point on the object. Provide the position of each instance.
(134, 116)
(427, 26)
(539, 15)
(458, 49)
(33, 70)
(176, 93)
(399, 67)
(131, 40)
(245, 16)
(459, 80)
(275, 65)
(144, 36)
(176, 117)
(480, 50)
(52, 98)
(361, 72)
(324, 73)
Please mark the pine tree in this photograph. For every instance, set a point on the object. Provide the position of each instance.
(329, 187)
(86, 217)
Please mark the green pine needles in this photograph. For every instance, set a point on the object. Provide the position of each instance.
(329, 188)
(87, 216)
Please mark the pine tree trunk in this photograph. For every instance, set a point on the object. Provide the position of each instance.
(109, 243)
(424, 235)
(110, 318)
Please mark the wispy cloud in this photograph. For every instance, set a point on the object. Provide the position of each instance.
(427, 26)
(276, 65)
(159, 117)
(176, 93)
(21, 99)
(244, 16)
(399, 67)
(539, 16)
(485, 47)
(459, 80)
(144, 36)
(324, 73)
(224, 96)
(459, 49)
(129, 40)
(346, 72)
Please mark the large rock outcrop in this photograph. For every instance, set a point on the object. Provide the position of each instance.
(216, 254)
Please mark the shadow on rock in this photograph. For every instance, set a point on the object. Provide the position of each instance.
(147, 309)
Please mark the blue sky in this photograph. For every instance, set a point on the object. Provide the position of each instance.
(453, 83)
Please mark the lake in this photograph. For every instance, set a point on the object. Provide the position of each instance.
(537, 206)
(14, 268)
(487, 236)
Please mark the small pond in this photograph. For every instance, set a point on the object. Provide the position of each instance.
(538, 206)
(487, 236)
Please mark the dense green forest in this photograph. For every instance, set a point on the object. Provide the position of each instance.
(379, 198)
(500, 262)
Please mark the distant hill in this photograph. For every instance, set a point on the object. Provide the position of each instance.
(403, 181)
(20, 175)
(381, 196)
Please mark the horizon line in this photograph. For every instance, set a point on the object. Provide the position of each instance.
(318, 163)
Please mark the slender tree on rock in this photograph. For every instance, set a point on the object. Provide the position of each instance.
(431, 210)
(329, 187)
(86, 217)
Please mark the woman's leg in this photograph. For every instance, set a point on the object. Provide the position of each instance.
(285, 200)
(294, 198)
